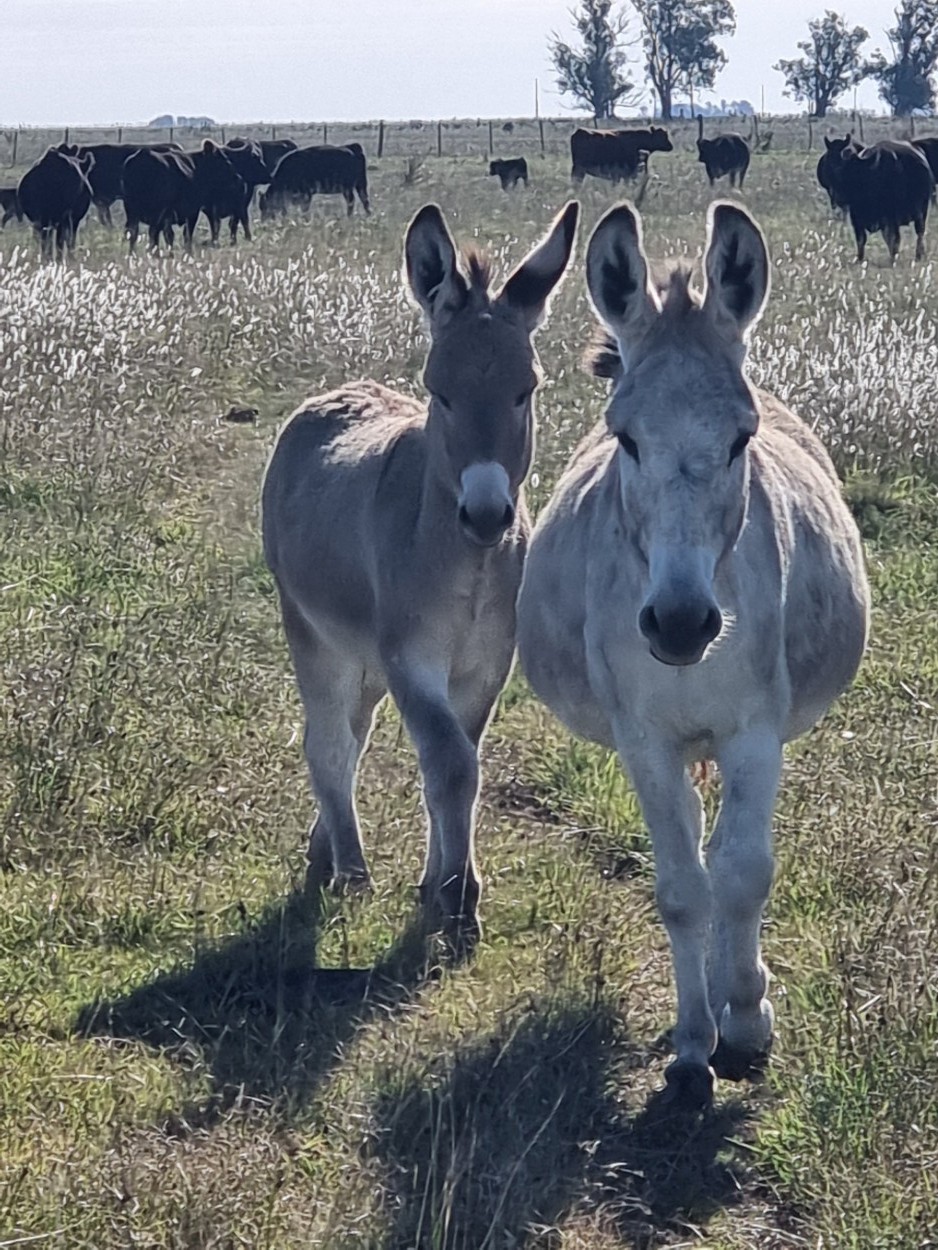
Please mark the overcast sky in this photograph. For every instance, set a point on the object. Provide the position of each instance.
(106, 61)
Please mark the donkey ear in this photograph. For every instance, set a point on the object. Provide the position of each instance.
(617, 272)
(736, 264)
(529, 285)
(430, 261)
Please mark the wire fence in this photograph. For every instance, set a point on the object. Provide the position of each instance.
(470, 137)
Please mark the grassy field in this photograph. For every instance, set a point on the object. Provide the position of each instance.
(189, 1058)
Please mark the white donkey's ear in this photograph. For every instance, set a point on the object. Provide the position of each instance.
(528, 287)
(617, 273)
(430, 262)
(736, 265)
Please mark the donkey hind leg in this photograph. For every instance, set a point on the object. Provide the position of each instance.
(739, 859)
(674, 814)
(449, 765)
(891, 236)
(339, 702)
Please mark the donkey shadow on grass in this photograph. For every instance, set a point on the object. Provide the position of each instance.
(494, 1145)
(503, 1141)
(257, 1012)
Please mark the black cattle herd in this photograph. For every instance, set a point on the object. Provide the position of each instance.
(881, 187)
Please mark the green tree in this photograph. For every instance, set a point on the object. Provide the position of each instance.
(679, 39)
(831, 64)
(907, 83)
(594, 73)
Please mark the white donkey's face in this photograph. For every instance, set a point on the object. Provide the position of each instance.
(683, 414)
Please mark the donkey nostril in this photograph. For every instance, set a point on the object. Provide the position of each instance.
(508, 516)
(648, 622)
(463, 515)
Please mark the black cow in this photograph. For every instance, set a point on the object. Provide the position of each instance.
(883, 187)
(726, 154)
(827, 168)
(247, 158)
(274, 150)
(321, 170)
(510, 171)
(10, 204)
(55, 195)
(164, 189)
(108, 170)
(615, 154)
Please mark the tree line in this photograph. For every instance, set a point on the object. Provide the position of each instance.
(679, 54)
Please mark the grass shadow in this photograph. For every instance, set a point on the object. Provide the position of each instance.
(500, 1143)
(257, 1013)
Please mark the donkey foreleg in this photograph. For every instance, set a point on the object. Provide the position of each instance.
(739, 859)
(674, 815)
(449, 764)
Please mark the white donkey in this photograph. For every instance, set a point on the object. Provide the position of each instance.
(695, 590)
(396, 534)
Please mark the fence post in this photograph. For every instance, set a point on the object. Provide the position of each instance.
(120, 134)
(540, 126)
(171, 130)
(810, 131)
(491, 139)
(65, 140)
(325, 132)
(439, 138)
(223, 139)
(16, 139)
(273, 132)
(381, 138)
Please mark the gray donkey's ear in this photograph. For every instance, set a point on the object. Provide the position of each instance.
(736, 264)
(529, 285)
(430, 262)
(617, 273)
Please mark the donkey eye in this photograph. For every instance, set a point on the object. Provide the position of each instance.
(739, 446)
(628, 445)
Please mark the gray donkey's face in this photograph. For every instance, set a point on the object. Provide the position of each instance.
(683, 414)
(482, 369)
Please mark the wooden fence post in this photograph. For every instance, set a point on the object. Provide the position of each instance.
(439, 138)
(810, 131)
(65, 140)
(381, 138)
(120, 134)
(540, 126)
(325, 132)
(273, 133)
(171, 129)
(491, 139)
(223, 139)
(16, 140)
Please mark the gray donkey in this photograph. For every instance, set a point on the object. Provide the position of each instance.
(396, 534)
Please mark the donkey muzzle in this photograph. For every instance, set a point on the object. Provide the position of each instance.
(486, 508)
(679, 633)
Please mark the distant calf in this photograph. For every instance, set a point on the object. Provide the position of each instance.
(10, 205)
(726, 155)
(55, 195)
(320, 170)
(510, 171)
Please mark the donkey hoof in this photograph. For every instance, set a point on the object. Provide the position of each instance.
(732, 1063)
(690, 1085)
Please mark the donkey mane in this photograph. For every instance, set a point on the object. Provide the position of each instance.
(478, 269)
(672, 281)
